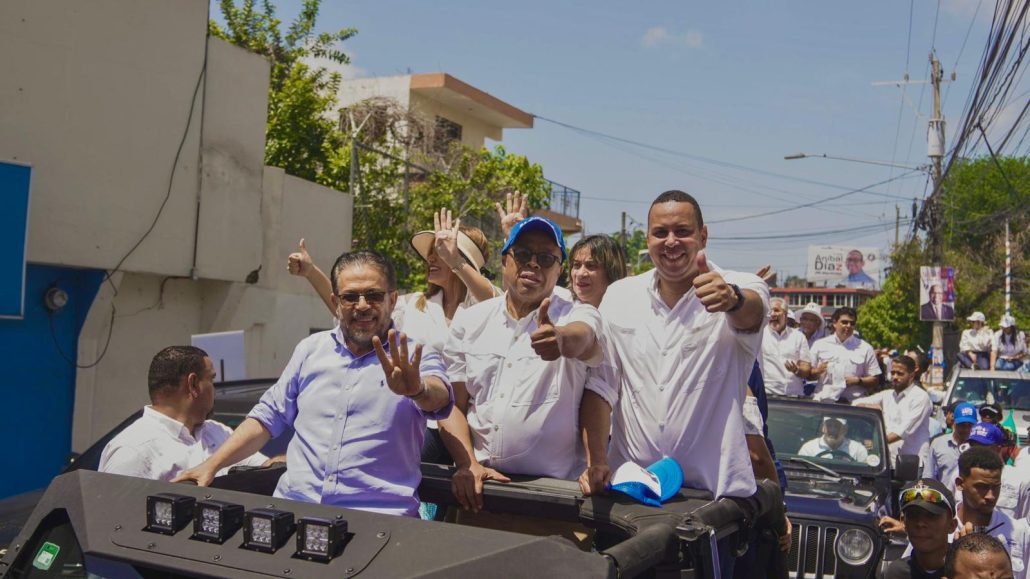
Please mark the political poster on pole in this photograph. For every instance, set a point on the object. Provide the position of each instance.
(844, 265)
(936, 294)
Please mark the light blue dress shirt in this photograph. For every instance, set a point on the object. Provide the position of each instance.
(357, 444)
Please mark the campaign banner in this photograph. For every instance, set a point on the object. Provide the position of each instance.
(844, 265)
(936, 294)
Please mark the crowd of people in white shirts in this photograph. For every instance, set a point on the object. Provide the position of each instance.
(530, 377)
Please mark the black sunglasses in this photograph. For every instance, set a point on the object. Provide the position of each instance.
(524, 256)
(371, 296)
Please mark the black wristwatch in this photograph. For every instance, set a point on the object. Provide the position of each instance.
(740, 299)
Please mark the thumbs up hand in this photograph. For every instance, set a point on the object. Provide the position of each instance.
(299, 262)
(711, 288)
(546, 339)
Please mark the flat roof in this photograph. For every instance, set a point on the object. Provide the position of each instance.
(462, 96)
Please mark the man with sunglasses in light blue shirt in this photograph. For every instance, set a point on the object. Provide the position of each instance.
(358, 397)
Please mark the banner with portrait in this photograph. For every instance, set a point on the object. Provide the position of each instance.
(844, 265)
(936, 294)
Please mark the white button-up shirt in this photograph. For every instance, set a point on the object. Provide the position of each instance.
(1014, 498)
(684, 371)
(777, 349)
(976, 341)
(159, 447)
(907, 414)
(853, 357)
(1007, 350)
(429, 327)
(523, 411)
(818, 448)
(942, 460)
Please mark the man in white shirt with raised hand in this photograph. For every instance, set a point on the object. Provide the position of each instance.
(785, 354)
(526, 401)
(906, 411)
(843, 364)
(174, 432)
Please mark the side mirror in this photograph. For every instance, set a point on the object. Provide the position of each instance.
(907, 468)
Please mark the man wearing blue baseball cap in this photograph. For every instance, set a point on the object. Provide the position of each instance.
(942, 462)
(986, 434)
(525, 402)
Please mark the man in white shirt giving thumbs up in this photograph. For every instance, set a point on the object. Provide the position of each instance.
(526, 400)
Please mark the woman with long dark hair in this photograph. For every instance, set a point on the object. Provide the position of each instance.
(1009, 349)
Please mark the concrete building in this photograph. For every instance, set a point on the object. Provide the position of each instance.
(464, 113)
(146, 144)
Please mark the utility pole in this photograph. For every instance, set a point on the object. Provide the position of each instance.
(935, 150)
(1008, 271)
(897, 226)
(622, 236)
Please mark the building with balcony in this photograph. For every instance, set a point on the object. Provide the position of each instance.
(464, 113)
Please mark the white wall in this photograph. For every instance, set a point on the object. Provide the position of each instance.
(95, 96)
(275, 313)
(474, 132)
(356, 90)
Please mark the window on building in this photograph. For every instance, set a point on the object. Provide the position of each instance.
(447, 131)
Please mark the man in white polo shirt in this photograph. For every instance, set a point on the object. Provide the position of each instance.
(785, 354)
(906, 411)
(686, 336)
(525, 402)
(843, 364)
(174, 433)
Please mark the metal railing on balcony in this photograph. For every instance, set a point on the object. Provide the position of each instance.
(563, 200)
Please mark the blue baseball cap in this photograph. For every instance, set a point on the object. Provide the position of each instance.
(986, 434)
(666, 475)
(536, 223)
(965, 413)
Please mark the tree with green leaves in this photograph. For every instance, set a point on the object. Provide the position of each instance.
(977, 198)
(300, 135)
(403, 175)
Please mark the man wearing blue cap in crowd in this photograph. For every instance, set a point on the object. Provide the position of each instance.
(525, 400)
(942, 462)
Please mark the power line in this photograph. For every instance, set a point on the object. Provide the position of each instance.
(708, 159)
(813, 203)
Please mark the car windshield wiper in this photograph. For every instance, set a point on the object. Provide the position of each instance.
(815, 465)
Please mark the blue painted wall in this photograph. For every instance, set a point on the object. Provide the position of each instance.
(37, 391)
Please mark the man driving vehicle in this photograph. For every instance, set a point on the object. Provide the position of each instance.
(834, 443)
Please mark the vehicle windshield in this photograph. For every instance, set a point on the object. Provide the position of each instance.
(825, 436)
(1009, 392)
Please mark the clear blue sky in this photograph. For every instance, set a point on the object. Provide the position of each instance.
(738, 83)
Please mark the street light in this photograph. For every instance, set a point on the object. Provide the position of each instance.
(796, 156)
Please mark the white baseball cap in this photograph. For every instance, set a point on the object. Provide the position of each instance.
(977, 317)
(1007, 321)
(813, 309)
(791, 316)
